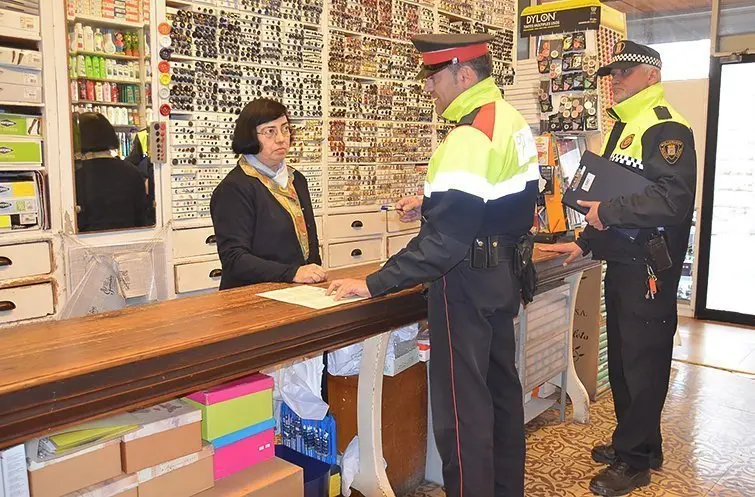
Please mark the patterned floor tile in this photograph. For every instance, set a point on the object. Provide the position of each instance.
(708, 442)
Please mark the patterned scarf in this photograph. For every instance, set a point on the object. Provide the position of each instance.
(287, 198)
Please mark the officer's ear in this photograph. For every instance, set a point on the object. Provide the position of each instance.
(654, 75)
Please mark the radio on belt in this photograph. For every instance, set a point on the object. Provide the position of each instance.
(158, 145)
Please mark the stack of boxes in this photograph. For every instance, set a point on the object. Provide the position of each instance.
(161, 455)
(237, 419)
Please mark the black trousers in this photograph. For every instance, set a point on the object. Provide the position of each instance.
(640, 346)
(476, 395)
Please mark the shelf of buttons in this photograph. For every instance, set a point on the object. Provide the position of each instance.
(222, 57)
(387, 100)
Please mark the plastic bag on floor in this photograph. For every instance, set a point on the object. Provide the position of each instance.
(350, 466)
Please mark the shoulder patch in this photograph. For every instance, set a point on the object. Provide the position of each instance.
(485, 119)
(662, 113)
(671, 150)
(626, 142)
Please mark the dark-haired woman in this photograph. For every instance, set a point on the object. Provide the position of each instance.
(110, 192)
(262, 211)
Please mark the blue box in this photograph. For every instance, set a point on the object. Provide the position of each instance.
(316, 473)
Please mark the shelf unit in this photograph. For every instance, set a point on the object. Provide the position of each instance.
(127, 114)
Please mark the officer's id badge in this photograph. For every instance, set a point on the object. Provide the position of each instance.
(671, 150)
(626, 142)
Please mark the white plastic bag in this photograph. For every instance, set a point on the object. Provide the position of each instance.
(299, 386)
(350, 466)
(346, 361)
(97, 292)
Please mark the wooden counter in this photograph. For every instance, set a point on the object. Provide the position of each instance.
(59, 373)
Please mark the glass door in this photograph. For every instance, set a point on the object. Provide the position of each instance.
(726, 284)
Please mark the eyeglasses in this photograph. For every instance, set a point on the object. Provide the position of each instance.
(271, 132)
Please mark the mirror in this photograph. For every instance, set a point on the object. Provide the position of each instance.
(109, 74)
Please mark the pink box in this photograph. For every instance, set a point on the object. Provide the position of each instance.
(244, 453)
(227, 391)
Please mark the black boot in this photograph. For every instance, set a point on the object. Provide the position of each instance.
(604, 454)
(619, 479)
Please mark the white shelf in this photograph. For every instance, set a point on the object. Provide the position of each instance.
(21, 104)
(118, 23)
(365, 35)
(121, 81)
(19, 34)
(536, 407)
(11, 166)
(94, 102)
(106, 55)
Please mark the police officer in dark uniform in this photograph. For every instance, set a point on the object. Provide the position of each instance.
(479, 200)
(650, 138)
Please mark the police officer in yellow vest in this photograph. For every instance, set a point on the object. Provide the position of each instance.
(479, 200)
(650, 138)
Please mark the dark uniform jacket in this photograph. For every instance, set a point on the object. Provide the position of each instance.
(651, 139)
(256, 239)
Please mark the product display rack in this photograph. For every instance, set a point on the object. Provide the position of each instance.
(109, 68)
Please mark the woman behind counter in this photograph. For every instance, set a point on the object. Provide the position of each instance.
(262, 211)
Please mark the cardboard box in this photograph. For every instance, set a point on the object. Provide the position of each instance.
(19, 22)
(234, 406)
(18, 151)
(401, 363)
(20, 125)
(272, 478)
(121, 486)
(240, 455)
(182, 477)
(20, 58)
(18, 206)
(74, 471)
(13, 479)
(20, 93)
(20, 76)
(168, 431)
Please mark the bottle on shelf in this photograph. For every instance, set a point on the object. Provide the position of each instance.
(107, 92)
(109, 68)
(72, 44)
(79, 30)
(88, 71)
(108, 43)
(82, 89)
(98, 92)
(102, 68)
(98, 41)
(74, 91)
(115, 93)
(90, 90)
(88, 39)
(81, 66)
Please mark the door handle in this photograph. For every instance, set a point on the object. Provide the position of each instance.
(356, 253)
(357, 224)
(5, 261)
(7, 305)
(216, 273)
(211, 240)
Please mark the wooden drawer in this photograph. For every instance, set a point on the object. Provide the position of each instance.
(198, 276)
(350, 225)
(345, 254)
(393, 224)
(26, 302)
(25, 259)
(396, 243)
(194, 242)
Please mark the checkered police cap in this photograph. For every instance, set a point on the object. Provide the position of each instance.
(628, 54)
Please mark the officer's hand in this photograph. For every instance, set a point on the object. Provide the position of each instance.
(311, 273)
(592, 217)
(348, 288)
(571, 248)
(409, 209)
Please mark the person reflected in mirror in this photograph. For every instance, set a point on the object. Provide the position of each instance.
(262, 211)
(109, 191)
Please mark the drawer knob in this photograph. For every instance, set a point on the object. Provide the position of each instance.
(7, 305)
(216, 273)
(357, 224)
(5, 261)
(211, 240)
(356, 253)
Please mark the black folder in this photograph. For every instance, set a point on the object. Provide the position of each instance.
(599, 179)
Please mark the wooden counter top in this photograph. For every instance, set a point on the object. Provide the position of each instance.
(58, 373)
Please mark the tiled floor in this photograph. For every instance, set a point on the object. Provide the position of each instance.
(717, 345)
(709, 442)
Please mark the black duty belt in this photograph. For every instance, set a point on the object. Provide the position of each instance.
(490, 251)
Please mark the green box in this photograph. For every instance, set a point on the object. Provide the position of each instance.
(20, 151)
(236, 414)
(18, 125)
